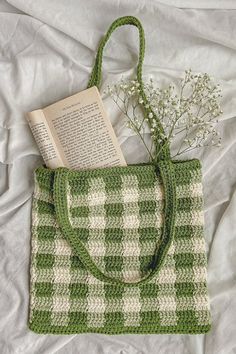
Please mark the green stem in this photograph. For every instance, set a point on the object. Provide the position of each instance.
(125, 112)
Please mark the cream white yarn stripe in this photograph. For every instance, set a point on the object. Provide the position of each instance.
(167, 304)
(61, 275)
(132, 306)
(166, 276)
(96, 196)
(34, 250)
(194, 218)
(130, 248)
(183, 191)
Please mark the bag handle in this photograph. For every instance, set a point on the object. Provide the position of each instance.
(162, 149)
(165, 167)
(60, 192)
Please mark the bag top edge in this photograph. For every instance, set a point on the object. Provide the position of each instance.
(178, 164)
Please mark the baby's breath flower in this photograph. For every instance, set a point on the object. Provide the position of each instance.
(191, 109)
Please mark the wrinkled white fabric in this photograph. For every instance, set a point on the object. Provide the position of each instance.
(201, 4)
(47, 52)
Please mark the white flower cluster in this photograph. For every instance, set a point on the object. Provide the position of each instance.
(191, 109)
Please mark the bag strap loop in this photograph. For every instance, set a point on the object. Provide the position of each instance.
(96, 75)
(165, 167)
(162, 149)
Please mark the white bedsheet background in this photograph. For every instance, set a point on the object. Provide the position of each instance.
(47, 52)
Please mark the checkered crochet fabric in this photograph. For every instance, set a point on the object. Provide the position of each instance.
(117, 214)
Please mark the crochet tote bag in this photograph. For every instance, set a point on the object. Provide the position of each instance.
(119, 249)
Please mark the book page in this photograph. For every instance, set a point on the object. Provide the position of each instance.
(82, 132)
(44, 139)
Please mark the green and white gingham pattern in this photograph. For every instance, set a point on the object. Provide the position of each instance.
(118, 215)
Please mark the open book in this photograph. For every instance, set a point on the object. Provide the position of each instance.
(76, 133)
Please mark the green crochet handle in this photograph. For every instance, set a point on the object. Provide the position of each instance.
(164, 166)
(162, 149)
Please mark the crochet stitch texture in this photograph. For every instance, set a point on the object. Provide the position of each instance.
(117, 214)
(119, 249)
